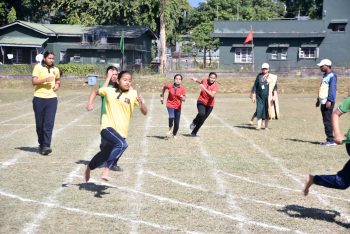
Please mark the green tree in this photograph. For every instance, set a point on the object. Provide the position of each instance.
(11, 17)
(3, 12)
(311, 8)
(201, 36)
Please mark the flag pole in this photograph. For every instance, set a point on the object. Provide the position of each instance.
(251, 29)
(121, 47)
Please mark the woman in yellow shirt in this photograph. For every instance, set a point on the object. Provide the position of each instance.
(46, 79)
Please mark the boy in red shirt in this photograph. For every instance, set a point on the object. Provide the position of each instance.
(205, 102)
(177, 94)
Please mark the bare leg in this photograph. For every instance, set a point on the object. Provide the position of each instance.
(105, 174)
(266, 124)
(259, 124)
(309, 181)
(86, 176)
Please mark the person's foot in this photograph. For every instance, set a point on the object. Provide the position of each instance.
(309, 181)
(328, 143)
(116, 168)
(46, 150)
(251, 122)
(105, 174)
(170, 132)
(86, 176)
(192, 126)
(193, 134)
(106, 178)
(258, 128)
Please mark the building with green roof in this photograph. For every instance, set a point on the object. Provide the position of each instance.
(21, 41)
(287, 44)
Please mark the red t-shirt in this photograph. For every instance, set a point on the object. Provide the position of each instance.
(174, 100)
(204, 96)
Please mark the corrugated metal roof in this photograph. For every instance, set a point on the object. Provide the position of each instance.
(270, 28)
(76, 30)
(22, 41)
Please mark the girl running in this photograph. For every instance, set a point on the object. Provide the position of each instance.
(177, 95)
(120, 103)
(205, 102)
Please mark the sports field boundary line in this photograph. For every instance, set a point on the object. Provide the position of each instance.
(276, 161)
(106, 215)
(199, 188)
(207, 210)
(41, 215)
(220, 182)
(17, 156)
(139, 167)
(32, 112)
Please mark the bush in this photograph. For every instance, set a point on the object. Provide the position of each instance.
(16, 69)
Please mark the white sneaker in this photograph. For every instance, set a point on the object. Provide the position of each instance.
(328, 143)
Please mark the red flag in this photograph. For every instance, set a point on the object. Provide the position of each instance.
(249, 37)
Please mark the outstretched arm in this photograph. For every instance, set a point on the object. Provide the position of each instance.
(196, 80)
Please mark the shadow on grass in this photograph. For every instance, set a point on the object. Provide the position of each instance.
(84, 162)
(296, 211)
(304, 141)
(98, 189)
(246, 126)
(160, 137)
(189, 135)
(28, 149)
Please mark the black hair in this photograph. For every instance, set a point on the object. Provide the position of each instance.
(47, 53)
(122, 73)
(114, 68)
(178, 75)
(213, 73)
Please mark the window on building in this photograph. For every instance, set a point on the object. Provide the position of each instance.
(284, 53)
(274, 54)
(33, 56)
(243, 55)
(75, 58)
(308, 52)
(17, 56)
(338, 27)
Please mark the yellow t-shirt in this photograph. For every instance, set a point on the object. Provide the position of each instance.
(119, 108)
(45, 90)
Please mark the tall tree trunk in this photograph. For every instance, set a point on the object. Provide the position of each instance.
(162, 37)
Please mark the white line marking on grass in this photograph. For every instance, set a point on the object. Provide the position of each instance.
(32, 226)
(32, 113)
(220, 183)
(13, 161)
(199, 188)
(15, 131)
(139, 169)
(207, 210)
(273, 159)
(83, 212)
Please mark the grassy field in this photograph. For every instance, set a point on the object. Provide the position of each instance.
(230, 179)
